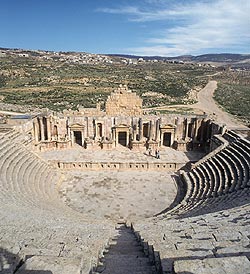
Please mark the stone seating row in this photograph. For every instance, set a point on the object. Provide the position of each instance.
(223, 173)
(35, 221)
(209, 231)
(27, 182)
(18, 168)
(223, 234)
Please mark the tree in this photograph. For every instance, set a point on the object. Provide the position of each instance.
(2, 81)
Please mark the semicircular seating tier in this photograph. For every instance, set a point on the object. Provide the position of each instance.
(218, 181)
(208, 231)
(35, 222)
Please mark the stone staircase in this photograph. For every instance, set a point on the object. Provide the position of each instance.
(125, 255)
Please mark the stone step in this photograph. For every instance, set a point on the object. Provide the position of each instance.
(133, 241)
(121, 271)
(124, 251)
(125, 255)
(117, 269)
(229, 265)
(49, 264)
(126, 260)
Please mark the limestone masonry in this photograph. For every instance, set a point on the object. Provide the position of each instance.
(123, 191)
(122, 124)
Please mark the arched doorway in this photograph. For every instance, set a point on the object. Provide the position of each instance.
(77, 134)
(99, 130)
(122, 138)
(145, 130)
(166, 139)
(78, 137)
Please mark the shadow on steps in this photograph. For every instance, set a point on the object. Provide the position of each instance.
(125, 255)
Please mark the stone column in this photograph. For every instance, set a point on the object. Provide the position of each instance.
(150, 137)
(134, 128)
(172, 137)
(196, 125)
(115, 136)
(187, 127)
(184, 128)
(42, 128)
(140, 129)
(157, 137)
(72, 137)
(161, 137)
(36, 133)
(127, 142)
(149, 134)
(82, 137)
(178, 129)
(68, 131)
(193, 129)
(49, 129)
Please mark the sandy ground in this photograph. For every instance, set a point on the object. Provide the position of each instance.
(119, 195)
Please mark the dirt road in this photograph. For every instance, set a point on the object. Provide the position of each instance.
(207, 104)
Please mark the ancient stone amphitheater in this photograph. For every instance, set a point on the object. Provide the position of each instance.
(205, 229)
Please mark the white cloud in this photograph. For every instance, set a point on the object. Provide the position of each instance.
(196, 27)
(159, 50)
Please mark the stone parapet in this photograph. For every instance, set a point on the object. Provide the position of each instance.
(142, 166)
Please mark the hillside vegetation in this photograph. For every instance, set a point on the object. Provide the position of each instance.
(233, 93)
(58, 84)
(39, 79)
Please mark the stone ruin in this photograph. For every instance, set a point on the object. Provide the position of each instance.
(204, 230)
(123, 102)
(122, 124)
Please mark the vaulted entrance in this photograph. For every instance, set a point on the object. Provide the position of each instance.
(78, 137)
(77, 134)
(121, 135)
(166, 139)
(122, 138)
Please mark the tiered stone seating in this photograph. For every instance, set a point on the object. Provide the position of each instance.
(208, 232)
(209, 229)
(222, 174)
(211, 243)
(35, 221)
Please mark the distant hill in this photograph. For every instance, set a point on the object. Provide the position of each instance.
(233, 60)
(220, 57)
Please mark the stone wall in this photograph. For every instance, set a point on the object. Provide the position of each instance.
(123, 124)
(140, 166)
(123, 102)
(182, 132)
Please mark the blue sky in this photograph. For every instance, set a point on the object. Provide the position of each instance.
(141, 27)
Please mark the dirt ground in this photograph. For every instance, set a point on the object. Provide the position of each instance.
(207, 104)
(119, 195)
